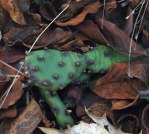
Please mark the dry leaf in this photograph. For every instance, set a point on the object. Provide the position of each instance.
(116, 84)
(104, 122)
(11, 6)
(91, 8)
(25, 123)
(118, 39)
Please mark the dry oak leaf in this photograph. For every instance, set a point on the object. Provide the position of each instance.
(118, 39)
(91, 31)
(123, 104)
(140, 69)
(25, 122)
(11, 112)
(91, 8)
(15, 94)
(116, 84)
(11, 6)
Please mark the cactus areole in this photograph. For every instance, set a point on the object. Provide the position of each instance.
(51, 70)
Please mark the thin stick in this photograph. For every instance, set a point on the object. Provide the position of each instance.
(47, 28)
(103, 14)
(13, 82)
(130, 47)
(136, 37)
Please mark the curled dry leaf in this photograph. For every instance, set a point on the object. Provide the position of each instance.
(11, 54)
(102, 120)
(11, 112)
(75, 6)
(11, 6)
(116, 84)
(122, 104)
(25, 122)
(145, 119)
(14, 95)
(129, 122)
(20, 33)
(81, 128)
(118, 39)
(110, 5)
(91, 8)
(140, 69)
(27, 35)
(99, 108)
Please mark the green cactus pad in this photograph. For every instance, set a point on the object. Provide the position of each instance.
(100, 58)
(53, 69)
(63, 118)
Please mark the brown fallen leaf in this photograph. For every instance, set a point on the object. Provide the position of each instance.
(129, 122)
(98, 109)
(140, 69)
(11, 54)
(128, 23)
(91, 8)
(91, 31)
(11, 112)
(48, 123)
(27, 35)
(25, 122)
(116, 84)
(20, 33)
(122, 104)
(145, 119)
(118, 39)
(102, 120)
(75, 6)
(145, 38)
(14, 95)
(76, 43)
(8, 70)
(4, 80)
(48, 11)
(110, 5)
(7, 76)
(11, 6)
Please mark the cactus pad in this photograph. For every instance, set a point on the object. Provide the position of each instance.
(53, 69)
(63, 118)
(102, 57)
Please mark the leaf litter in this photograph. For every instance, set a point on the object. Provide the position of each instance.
(80, 27)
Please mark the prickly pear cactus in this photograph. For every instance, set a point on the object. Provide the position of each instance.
(53, 69)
